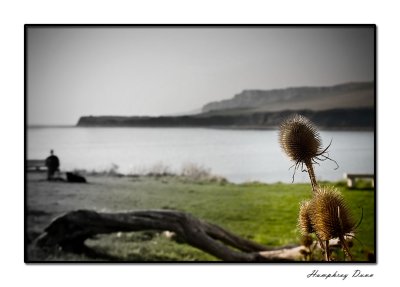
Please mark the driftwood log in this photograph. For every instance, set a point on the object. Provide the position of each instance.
(72, 229)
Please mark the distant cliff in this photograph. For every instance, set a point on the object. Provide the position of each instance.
(345, 106)
(353, 118)
(349, 95)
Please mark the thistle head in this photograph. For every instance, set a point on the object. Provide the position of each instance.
(300, 139)
(329, 214)
(304, 222)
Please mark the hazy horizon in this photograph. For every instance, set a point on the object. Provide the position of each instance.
(134, 71)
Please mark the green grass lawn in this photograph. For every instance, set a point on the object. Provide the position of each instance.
(266, 213)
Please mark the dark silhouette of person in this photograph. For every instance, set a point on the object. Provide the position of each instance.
(52, 164)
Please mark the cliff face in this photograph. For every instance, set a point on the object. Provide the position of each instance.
(329, 119)
(347, 106)
(350, 95)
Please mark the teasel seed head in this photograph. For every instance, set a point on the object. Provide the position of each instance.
(306, 240)
(300, 139)
(304, 222)
(329, 214)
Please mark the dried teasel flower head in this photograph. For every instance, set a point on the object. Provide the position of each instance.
(300, 139)
(306, 240)
(329, 214)
(304, 222)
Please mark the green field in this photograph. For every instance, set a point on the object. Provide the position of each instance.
(265, 213)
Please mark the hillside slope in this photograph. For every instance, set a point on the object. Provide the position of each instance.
(349, 95)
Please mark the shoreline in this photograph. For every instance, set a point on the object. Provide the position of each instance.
(239, 128)
(339, 118)
(208, 178)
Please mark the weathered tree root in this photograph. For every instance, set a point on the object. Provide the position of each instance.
(70, 231)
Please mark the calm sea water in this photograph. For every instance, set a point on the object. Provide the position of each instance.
(238, 155)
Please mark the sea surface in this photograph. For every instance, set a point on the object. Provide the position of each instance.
(238, 155)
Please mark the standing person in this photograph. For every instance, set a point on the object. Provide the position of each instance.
(52, 164)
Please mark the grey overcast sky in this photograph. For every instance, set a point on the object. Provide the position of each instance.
(172, 70)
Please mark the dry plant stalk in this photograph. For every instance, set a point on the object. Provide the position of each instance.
(326, 214)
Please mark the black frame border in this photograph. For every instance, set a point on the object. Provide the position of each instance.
(292, 26)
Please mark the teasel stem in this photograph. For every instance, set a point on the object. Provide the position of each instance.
(324, 247)
(327, 251)
(310, 170)
(342, 239)
(345, 247)
(321, 244)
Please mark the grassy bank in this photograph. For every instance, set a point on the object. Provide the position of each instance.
(266, 213)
